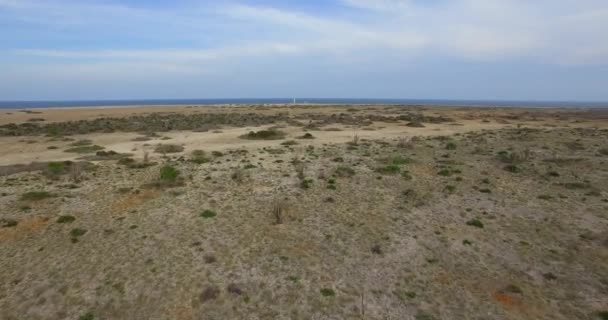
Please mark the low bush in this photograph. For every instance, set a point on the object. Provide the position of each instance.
(306, 136)
(327, 292)
(66, 219)
(35, 196)
(264, 135)
(344, 172)
(84, 149)
(199, 157)
(168, 148)
(169, 174)
(475, 223)
(208, 214)
(8, 223)
(389, 169)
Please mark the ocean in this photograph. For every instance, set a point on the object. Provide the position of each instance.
(187, 102)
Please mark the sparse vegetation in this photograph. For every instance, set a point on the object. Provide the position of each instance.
(261, 225)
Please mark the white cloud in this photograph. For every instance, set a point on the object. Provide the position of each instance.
(85, 40)
(558, 31)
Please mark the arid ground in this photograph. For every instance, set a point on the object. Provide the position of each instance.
(303, 212)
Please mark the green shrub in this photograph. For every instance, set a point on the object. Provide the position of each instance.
(168, 148)
(289, 143)
(405, 295)
(576, 185)
(8, 223)
(77, 233)
(450, 146)
(450, 189)
(344, 171)
(406, 175)
(306, 183)
(87, 316)
(399, 160)
(56, 167)
(514, 157)
(199, 157)
(445, 172)
(306, 136)
(389, 169)
(169, 174)
(327, 292)
(207, 214)
(126, 161)
(66, 219)
(513, 168)
(475, 223)
(35, 196)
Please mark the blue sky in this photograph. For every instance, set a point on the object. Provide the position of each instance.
(431, 49)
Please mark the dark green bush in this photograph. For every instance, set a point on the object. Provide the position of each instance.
(66, 219)
(207, 214)
(327, 292)
(475, 223)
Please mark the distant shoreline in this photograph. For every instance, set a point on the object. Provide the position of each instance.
(17, 105)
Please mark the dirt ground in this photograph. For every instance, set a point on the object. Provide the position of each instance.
(349, 212)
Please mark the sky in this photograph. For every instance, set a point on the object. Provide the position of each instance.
(416, 49)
